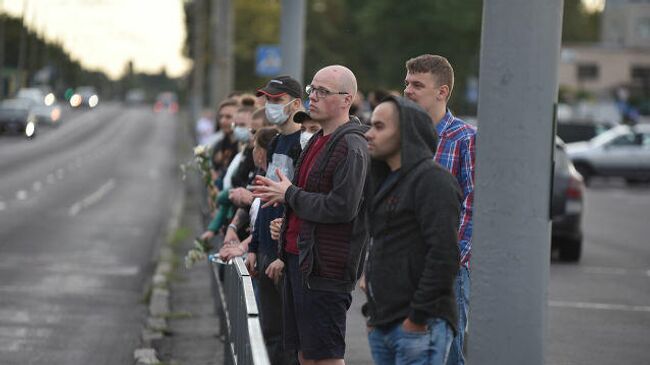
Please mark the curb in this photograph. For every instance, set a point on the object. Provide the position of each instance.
(159, 308)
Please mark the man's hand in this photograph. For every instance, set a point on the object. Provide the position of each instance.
(207, 235)
(230, 251)
(251, 261)
(409, 326)
(274, 271)
(240, 197)
(275, 227)
(231, 236)
(270, 191)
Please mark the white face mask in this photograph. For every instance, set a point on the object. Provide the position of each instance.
(241, 134)
(304, 138)
(275, 112)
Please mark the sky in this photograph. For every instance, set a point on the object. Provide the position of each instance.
(106, 34)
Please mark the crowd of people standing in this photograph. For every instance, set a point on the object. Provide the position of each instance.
(320, 194)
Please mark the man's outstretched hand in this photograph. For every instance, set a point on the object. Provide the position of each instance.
(269, 191)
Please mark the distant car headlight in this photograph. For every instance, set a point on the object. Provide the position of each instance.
(75, 100)
(30, 128)
(49, 99)
(93, 101)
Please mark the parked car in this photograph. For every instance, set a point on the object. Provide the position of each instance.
(84, 96)
(576, 130)
(166, 102)
(623, 151)
(16, 117)
(45, 108)
(566, 206)
(135, 97)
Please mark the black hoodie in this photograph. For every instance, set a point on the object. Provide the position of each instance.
(413, 258)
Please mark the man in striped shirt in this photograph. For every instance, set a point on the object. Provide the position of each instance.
(429, 82)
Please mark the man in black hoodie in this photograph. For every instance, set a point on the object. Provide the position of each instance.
(413, 258)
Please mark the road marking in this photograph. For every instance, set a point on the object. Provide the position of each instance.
(3, 206)
(92, 198)
(599, 306)
(21, 195)
(615, 271)
(37, 186)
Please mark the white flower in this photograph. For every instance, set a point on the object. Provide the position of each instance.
(199, 150)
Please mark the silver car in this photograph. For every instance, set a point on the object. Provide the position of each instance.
(623, 151)
(45, 108)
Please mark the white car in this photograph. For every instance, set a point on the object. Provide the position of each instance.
(623, 151)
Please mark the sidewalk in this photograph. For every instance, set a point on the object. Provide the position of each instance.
(192, 330)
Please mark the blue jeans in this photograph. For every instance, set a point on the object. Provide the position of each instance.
(394, 346)
(462, 290)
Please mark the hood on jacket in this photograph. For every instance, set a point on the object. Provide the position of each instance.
(418, 138)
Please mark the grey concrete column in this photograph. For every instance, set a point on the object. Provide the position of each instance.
(511, 242)
(292, 38)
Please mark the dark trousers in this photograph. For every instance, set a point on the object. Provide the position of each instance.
(270, 308)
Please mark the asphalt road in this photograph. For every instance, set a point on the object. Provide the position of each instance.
(599, 308)
(82, 208)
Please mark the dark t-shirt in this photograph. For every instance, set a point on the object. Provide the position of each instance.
(282, 158)
(294, 222)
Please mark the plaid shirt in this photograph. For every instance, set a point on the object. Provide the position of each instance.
(456, 153)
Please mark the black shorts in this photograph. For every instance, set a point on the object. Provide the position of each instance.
(314, 320)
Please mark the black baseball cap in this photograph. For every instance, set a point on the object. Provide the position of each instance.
(301, 116)
(281, 85)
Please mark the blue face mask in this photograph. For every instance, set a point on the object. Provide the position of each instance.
(241, 134)
(275, 112)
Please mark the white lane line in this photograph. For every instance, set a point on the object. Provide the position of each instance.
(50, 179)
(37, 186)
(3, 206)
(92, 198)
(615, 271)
(21, 195)
(599, 306)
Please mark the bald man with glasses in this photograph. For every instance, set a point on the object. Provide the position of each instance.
(325, 234)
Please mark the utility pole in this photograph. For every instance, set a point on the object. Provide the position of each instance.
(22, 50)
(2, 51)
(221, 75)
(198, 70)
(292, 38)
(520, 49)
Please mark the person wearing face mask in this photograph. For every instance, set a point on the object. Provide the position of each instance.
(283, 96)
(242, 134)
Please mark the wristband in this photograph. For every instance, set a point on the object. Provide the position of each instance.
(234, 227)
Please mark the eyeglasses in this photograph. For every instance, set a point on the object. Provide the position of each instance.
(322, 93)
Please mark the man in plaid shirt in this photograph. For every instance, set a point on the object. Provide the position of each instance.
(429, 82)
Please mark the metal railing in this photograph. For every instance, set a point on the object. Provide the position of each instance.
(244, 343)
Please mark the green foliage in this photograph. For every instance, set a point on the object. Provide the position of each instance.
(257, 22)
(578, 25)
(376, 38)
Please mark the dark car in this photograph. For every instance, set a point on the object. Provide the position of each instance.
(84, 96)
(577, 130)
(16, 117)
(566, 206)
